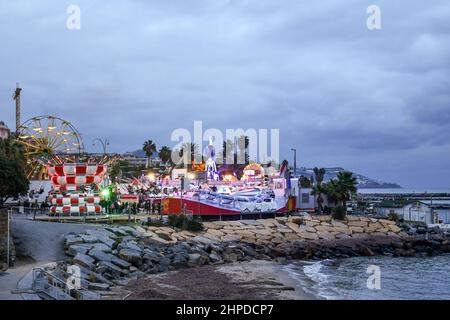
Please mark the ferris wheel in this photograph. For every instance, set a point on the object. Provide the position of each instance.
(45, 137)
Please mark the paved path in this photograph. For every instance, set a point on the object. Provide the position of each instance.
(37, 244)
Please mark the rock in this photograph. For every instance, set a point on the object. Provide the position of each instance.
(114, 271)
(361, 224)
(151, 256)
(88, 238)
(308, 235)
(164, 235)
(212, 237)
(386, 222)
(101, 246)
(325, 235)
(72, 239)
(366, 251)
(98, 286)
(356, 229)
(342, 236)
(84, 260)
(203, 240)
(311, 223)
(77, 248)
(263, 232)
(394, 228)
(215, 232)
(244, 233)
(196, 259)
(405, 253)
(231, 238)
(120, 263)
(337, 223)
(215, 258)
(211, 225)
(132, 256)
(93, 276)
(131, 245)
(99, 255)
(180, 259)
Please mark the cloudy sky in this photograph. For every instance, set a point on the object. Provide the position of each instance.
(373, 101)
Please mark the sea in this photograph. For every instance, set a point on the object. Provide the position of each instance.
(400, 278)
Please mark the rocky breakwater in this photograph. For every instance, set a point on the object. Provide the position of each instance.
(113, 256)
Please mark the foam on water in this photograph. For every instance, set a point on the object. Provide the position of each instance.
(401, 278)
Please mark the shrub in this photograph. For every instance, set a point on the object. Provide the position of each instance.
(339, 212)
(155, 222)
(393, 216)
(184, 222)
(297, 220)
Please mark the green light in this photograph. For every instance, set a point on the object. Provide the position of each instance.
(105, 193)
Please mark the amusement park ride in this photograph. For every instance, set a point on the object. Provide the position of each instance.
(54, 150)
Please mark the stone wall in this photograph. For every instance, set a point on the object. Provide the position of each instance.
(280, 230)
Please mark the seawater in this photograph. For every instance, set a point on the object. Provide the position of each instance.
(423, 278)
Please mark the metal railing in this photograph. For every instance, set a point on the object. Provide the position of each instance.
(53, 287)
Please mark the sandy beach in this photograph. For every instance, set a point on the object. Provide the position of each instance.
(257, 279)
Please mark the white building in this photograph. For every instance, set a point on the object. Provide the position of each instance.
(4, 131)
(427, 211)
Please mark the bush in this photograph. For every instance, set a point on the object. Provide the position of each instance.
(184, 222)
(393, 216)
(297, 220)
(155, 222)
(339, 212)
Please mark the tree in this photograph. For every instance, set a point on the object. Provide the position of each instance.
(193, 152)
(319, 175)
(119, 169)
(340, 189)
(318, 190)
(228, 151)
(165, 154)
(149, 148)
(304, 182)
(242, 144)
(13, 179)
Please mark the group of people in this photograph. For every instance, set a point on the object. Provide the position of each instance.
(146, 206)
(34, 206)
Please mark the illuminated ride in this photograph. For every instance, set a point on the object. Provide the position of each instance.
(77, 181)
(45, 137)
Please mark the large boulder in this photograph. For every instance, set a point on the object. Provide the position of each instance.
(84, 260)
(196, 259)
(132, 256)
(73, 249)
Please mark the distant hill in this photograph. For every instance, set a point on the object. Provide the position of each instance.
(363, 181)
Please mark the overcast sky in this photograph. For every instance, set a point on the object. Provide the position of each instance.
(376, 102)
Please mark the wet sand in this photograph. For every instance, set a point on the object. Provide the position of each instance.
(253, 280)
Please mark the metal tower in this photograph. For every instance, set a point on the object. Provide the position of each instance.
(16, 97)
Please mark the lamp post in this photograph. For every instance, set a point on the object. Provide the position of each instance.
(104, 143)
(295, 160)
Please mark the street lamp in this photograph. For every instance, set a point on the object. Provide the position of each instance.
(295, 160)
(104, 143)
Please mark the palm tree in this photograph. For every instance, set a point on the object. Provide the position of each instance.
(243, 143)
(347, 184)
(318, 189)
(149, 148)
(228, 149)
(339, 190)
(165, 154)
(193, 149)
(319, 175)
